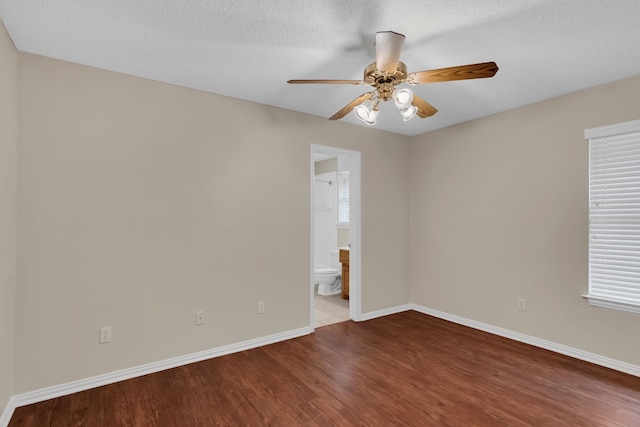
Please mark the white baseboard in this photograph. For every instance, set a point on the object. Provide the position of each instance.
(537, 342)
(149, 368)
(384, 312)
(7, 413)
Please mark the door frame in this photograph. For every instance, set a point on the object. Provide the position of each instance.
(355, 257)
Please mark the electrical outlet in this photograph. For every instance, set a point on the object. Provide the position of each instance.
(199, 318)
(105, 335)
(261, 307)
(522, 304)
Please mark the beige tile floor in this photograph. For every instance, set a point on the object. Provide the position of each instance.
(330, 309)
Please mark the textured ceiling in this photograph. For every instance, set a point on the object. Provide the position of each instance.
(248, 49)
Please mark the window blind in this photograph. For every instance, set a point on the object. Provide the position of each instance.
(614, 217)
(343, 199)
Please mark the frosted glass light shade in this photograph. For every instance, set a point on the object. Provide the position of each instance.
(366, 112)
(373, 117)
(402, 98)
(409, 112)
(363, 110)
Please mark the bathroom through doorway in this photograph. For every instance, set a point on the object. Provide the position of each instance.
(335, 260)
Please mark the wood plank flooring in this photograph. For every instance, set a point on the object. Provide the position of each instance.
(405, 369)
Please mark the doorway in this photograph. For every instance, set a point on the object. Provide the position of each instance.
(348, 165)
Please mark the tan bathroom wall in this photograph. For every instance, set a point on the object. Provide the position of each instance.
(500, 212)
(326, 166)
(142, 203)
(343, 237)
(8, 209)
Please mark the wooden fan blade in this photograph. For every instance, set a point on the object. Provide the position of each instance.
(359, 100)
(462, 72)
(424, 108)
(325, 82)
(388, 48)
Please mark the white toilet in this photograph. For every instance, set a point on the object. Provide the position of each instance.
(326, 276)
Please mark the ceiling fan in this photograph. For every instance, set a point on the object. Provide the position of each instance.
(388, 72)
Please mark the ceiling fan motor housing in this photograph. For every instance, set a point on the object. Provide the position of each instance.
(384, 81)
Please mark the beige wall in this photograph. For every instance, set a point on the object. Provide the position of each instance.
(142, 202)
(499, 211)
(8, 206)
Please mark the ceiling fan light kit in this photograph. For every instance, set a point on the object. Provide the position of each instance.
(388, 72)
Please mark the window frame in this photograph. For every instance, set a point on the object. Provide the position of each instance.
(593, 134)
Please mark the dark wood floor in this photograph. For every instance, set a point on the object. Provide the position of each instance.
(404, 369)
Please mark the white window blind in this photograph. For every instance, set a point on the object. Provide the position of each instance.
(343, 199)
(614, 216)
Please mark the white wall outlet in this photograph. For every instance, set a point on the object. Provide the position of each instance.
(199, 318)
(260, 307)
(105, 335)
(522, 304)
